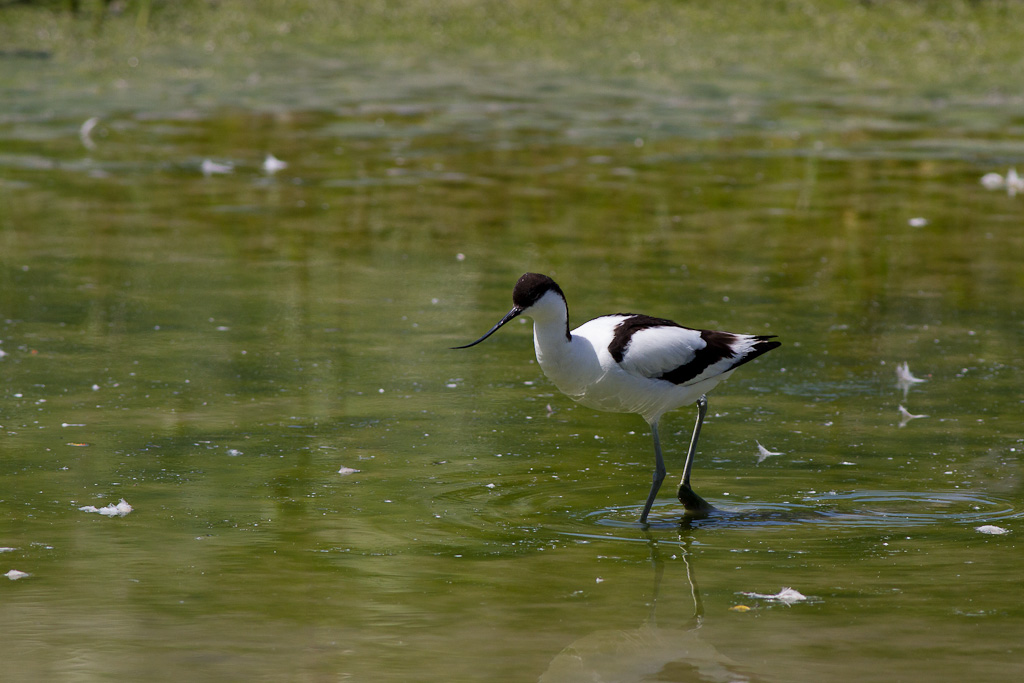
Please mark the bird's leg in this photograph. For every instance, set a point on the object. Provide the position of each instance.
(702, 409)
(659, 474)
(693, 503)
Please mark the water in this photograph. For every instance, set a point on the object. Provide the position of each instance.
(215, 349)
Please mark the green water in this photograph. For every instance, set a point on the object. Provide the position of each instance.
(215, 349)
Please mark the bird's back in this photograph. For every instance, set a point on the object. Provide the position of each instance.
(639, 364)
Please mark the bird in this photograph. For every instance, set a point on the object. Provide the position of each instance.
(631, 363)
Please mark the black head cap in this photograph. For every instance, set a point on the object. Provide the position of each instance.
(531, 287)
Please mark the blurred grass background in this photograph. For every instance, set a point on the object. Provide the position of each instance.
(913, 48)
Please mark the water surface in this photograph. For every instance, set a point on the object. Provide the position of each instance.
(215, 349)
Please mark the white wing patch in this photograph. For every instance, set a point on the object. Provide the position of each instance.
(653, 351)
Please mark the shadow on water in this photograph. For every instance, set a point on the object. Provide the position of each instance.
(850, 509)
(678, 653)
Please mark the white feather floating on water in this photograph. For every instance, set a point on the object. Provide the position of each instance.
(15, 574)
(992, 529)
(905, 416)
(272, 164)
(113, 510)
(786, 596)
(85, 132)
(347, 470)
(763, 453)
(209, 168)
(905, 379)
(992, 181)
(1012, 182)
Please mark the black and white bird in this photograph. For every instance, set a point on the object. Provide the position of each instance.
(631, 363)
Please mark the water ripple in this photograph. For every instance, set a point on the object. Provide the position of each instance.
(870, 509)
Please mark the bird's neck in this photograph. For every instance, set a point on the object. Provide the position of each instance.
(566, 359)
(551, 331)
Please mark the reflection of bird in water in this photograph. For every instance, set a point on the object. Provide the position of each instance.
(630, 363)
(650, 652)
